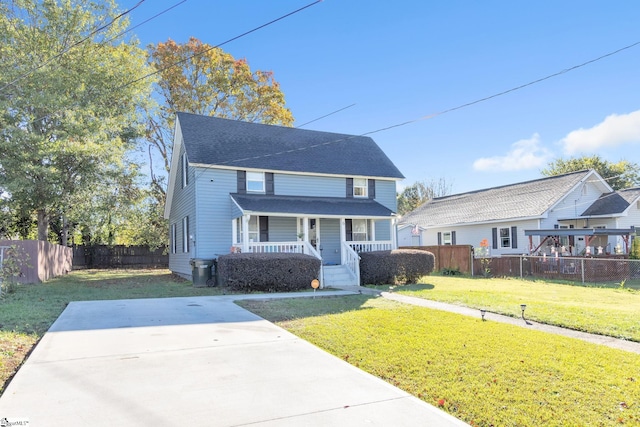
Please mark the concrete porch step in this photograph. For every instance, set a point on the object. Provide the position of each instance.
(338, 276)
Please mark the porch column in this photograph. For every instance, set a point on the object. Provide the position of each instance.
(234, 231)
(305, 228)
(373, 230)
(394, 236)
(343, 237)
(245, 233)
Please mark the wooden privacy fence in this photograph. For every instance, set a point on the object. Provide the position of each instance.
(454, 257)
(119, 256)
(40, 260)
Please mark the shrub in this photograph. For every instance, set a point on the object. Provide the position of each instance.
(634, 253)
(400, 266)
(268, 272)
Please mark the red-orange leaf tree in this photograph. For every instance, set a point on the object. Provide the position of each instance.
(197, 78)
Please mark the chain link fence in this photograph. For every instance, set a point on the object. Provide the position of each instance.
(583, 270)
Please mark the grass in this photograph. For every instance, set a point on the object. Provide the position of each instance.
(601, 310)
(485, 373)
(27, 313)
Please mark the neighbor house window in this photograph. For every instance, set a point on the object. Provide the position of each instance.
(255, 182)
(360, 187)
(446, 238)
(359, 229)
(185, 234)
(174, 243)
(505, 238)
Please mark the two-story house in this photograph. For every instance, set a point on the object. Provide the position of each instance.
(246, 187)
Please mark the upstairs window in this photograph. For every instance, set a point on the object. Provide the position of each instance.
(255, 182)
(360, 187)
(185, 170)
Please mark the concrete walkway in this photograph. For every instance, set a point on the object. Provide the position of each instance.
(197, 361)
(620, 344)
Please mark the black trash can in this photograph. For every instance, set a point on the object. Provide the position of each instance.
(200, 271)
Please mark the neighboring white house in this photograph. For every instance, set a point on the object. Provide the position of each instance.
(542, 208)
(249, 187)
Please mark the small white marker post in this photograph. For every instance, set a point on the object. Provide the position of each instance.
(315, 284)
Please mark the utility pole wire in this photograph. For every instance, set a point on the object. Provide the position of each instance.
(54, 57)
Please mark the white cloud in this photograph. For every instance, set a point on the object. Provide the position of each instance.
(524, 154)
(614, 130)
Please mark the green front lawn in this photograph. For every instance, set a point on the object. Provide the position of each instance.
(485, 373)
(605, 311)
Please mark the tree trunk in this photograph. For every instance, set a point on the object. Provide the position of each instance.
(65, 231)
(43, 224)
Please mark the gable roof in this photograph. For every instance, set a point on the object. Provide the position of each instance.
(237, 144)
(528, 199)
(613, 203)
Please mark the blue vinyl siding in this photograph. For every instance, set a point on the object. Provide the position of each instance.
(305, 185)
(282, 229)
(330, 240)
(383, 230)
(386, 194)
(183, 205)
(214, 211)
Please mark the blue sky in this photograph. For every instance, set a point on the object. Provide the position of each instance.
(406, 60)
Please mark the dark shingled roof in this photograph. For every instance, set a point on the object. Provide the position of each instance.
(522, 200)
(299, 205)
(215, 141)
(613, 203)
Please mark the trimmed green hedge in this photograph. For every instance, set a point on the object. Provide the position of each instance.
(267, 272)
(400, 266)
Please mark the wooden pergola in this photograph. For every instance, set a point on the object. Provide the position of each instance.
(588, 234)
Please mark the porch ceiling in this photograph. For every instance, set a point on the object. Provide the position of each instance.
(310, 206)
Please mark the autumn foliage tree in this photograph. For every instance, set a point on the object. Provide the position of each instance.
(195, 77)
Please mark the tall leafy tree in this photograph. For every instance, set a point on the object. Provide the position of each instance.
(419, 192)
(67, 113)
(195, 77)
(623, 174)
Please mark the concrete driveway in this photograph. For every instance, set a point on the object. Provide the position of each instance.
(200, 361)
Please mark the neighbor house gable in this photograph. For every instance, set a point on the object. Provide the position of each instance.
(520, 201)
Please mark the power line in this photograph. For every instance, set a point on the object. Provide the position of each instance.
(198, 54)
(430, 116)
(477, 101)
(91, 34)
(326, 115)
(218, 45)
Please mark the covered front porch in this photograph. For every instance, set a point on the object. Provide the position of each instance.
(334, 230)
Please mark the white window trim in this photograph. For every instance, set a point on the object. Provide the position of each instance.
(447, 238)
(256, 177)
(185, 234)
(185, 170)
(174, 243)
(353, 228)
(254, 230)
(502, 245)
(364, 188)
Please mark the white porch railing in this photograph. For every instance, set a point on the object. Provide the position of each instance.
(351, 260)
(371, 246)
